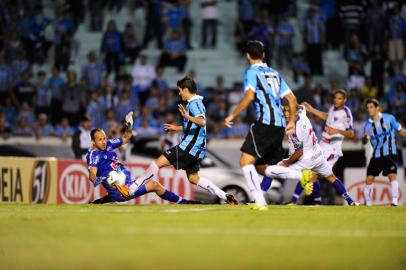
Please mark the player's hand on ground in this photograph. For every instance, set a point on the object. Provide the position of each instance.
(290, 128)
(129, 119)
(182, 111)
(229, 121)
(170, 127)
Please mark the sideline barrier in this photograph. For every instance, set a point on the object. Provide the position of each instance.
(38, 180)
(28, 180)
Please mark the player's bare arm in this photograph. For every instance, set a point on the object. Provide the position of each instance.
(293, 158)
(346, 133)
(319, 114)
(290, 126)
(244, 103)
(92, 174)
(198, 120)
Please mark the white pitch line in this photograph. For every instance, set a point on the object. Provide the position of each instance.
(258, 232)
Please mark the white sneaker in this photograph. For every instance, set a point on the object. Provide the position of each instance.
(355, 204)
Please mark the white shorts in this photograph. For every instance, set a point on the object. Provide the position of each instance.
(318, 165)
(332, 152)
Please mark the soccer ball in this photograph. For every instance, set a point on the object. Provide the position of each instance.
(116, 177)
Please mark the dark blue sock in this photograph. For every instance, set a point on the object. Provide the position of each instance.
(266, 183)
(296, 194)
(316, 192)
(339, 187)
(173, 197)
(140, 191)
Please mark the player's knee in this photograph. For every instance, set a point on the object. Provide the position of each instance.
(261, 169)
(369, 180)
(194, 179)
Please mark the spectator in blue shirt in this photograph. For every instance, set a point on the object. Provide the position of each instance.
(131, 46)
(313, 35)
(43, 98)
(396, 33)
(94, 72)
(63, 27)
(64, 130)
(284, 32)
(43, 128)
(95, 110)
(174, 52)
(111, 47)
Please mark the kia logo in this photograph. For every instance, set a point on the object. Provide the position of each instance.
(74, 185)
(40, 182)
(381, 194)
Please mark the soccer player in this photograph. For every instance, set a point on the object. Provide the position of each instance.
(192, 148)
(338, 126)
(305, 154)
(380, 129)
(101, 160)
(263, 144)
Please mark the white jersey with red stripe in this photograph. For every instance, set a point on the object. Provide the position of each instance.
(304, 138)
(332, 144)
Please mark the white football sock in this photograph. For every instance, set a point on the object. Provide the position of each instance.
(149, 174)
(368, 194)
(395, 191)
(283, 173)
(252, 178)
(212, 188)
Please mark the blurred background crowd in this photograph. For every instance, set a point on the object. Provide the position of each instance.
(46, 88)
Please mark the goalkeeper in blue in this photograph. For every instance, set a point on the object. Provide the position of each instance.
(106, 169)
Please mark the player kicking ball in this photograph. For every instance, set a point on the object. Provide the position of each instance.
(380, 128)
(105, 168)
(192, 148)
(305, 154)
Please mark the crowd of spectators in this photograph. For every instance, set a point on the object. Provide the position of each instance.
(53, 104)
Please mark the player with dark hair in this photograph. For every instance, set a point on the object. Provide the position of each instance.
(339, 125)
(102, 160)
(380, 130)
(263, 145)
(192, 148)
(305, 154)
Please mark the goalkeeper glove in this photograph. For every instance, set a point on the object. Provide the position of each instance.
(129, 120)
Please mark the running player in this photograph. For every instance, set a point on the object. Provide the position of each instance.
(305, 153)
(338, 126)
(102, 160)
(192, 148)
(380, 129)
(265, 87)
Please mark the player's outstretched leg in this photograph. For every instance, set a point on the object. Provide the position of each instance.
(394, 188)
(102, 200)
(154, 186)
(368, 190)
(266, 183)
(296, 194)
(316, 193)
(339, 187)
(306, 177)
(208, 185)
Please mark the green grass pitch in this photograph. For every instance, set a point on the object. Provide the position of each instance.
(201, 237)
